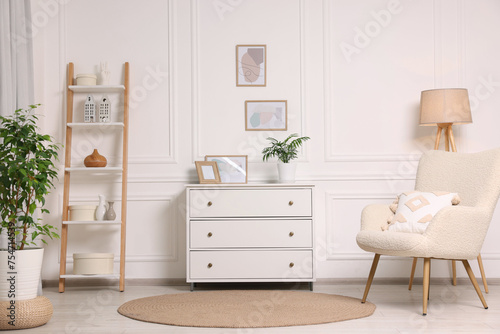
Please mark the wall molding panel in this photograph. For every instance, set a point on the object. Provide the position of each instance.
(196, 125)
(333, 255)
(327, 80)
(171, 238)
(331, 239)
(171, 156)
(449, 44)
(441, 33)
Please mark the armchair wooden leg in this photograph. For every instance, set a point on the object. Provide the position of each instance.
(370, 277)
(427, 274)
(412, 275)
(483, 276)
(454, 272)
(474, 282)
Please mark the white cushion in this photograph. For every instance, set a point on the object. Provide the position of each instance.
(416, 209)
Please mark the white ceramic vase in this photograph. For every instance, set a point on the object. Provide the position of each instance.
(100, 212)
(20, 273)
(286, 172)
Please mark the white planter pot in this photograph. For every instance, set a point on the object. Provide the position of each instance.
(20, 277)
(286, 172)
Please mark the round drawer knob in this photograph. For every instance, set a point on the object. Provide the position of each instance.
(209, 265)
(291, 234)
(291, 264)
(290, 203)
(209, 203)
(209, 234)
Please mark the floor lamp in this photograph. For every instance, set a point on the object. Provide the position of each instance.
(443, 108)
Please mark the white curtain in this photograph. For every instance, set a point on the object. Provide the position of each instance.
(16, 56)
(16, 63)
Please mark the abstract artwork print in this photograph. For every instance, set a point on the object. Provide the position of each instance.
(251, 65)
(265, 115)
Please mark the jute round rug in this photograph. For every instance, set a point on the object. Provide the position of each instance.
(243, 309)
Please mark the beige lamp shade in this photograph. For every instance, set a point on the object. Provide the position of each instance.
(450, 105)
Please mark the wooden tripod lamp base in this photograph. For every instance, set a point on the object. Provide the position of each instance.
(449, 140)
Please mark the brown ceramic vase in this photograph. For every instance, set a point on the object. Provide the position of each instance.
(95, 160)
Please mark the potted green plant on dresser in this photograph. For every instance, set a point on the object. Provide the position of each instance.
(285, 151)
(26, 173)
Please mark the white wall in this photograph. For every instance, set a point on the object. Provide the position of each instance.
(351, 71)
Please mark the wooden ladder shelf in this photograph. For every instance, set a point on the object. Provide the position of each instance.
(68, 170)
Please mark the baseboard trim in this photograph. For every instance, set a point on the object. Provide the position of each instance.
(321, 281)
(113, 282)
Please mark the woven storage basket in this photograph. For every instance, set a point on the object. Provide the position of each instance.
(28, 313)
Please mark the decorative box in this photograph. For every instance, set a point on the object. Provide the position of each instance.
(93, 263)
(82, 212)
(86, 79)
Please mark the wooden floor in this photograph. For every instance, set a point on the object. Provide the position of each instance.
(451, 309)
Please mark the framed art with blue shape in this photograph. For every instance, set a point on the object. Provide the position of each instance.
(232, 168)
(266, 115)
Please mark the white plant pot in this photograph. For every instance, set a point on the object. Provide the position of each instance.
(286, 172)
(20, 282)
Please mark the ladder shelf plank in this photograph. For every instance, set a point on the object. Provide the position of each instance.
(94, 169)
(114, 276)
(91, 222)
(91, 125)
(97, 88)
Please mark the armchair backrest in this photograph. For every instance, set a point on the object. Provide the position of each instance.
(474, 176)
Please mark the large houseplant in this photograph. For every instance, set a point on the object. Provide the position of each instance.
(26, 173)
(285, 151)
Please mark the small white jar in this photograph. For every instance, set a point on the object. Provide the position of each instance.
(82, 212)
(86, 79)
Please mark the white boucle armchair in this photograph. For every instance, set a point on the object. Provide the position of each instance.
(456, 232)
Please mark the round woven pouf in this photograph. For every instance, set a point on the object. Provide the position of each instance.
(25, 313)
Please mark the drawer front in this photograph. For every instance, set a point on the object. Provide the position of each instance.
(251, 264)
(250, 202)
(251, 233)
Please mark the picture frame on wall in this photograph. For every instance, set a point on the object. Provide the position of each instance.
(251, 63)
(266, 115)
(232, 168)
(208, 172)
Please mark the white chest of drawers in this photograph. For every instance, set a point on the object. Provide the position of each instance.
(250, 233)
